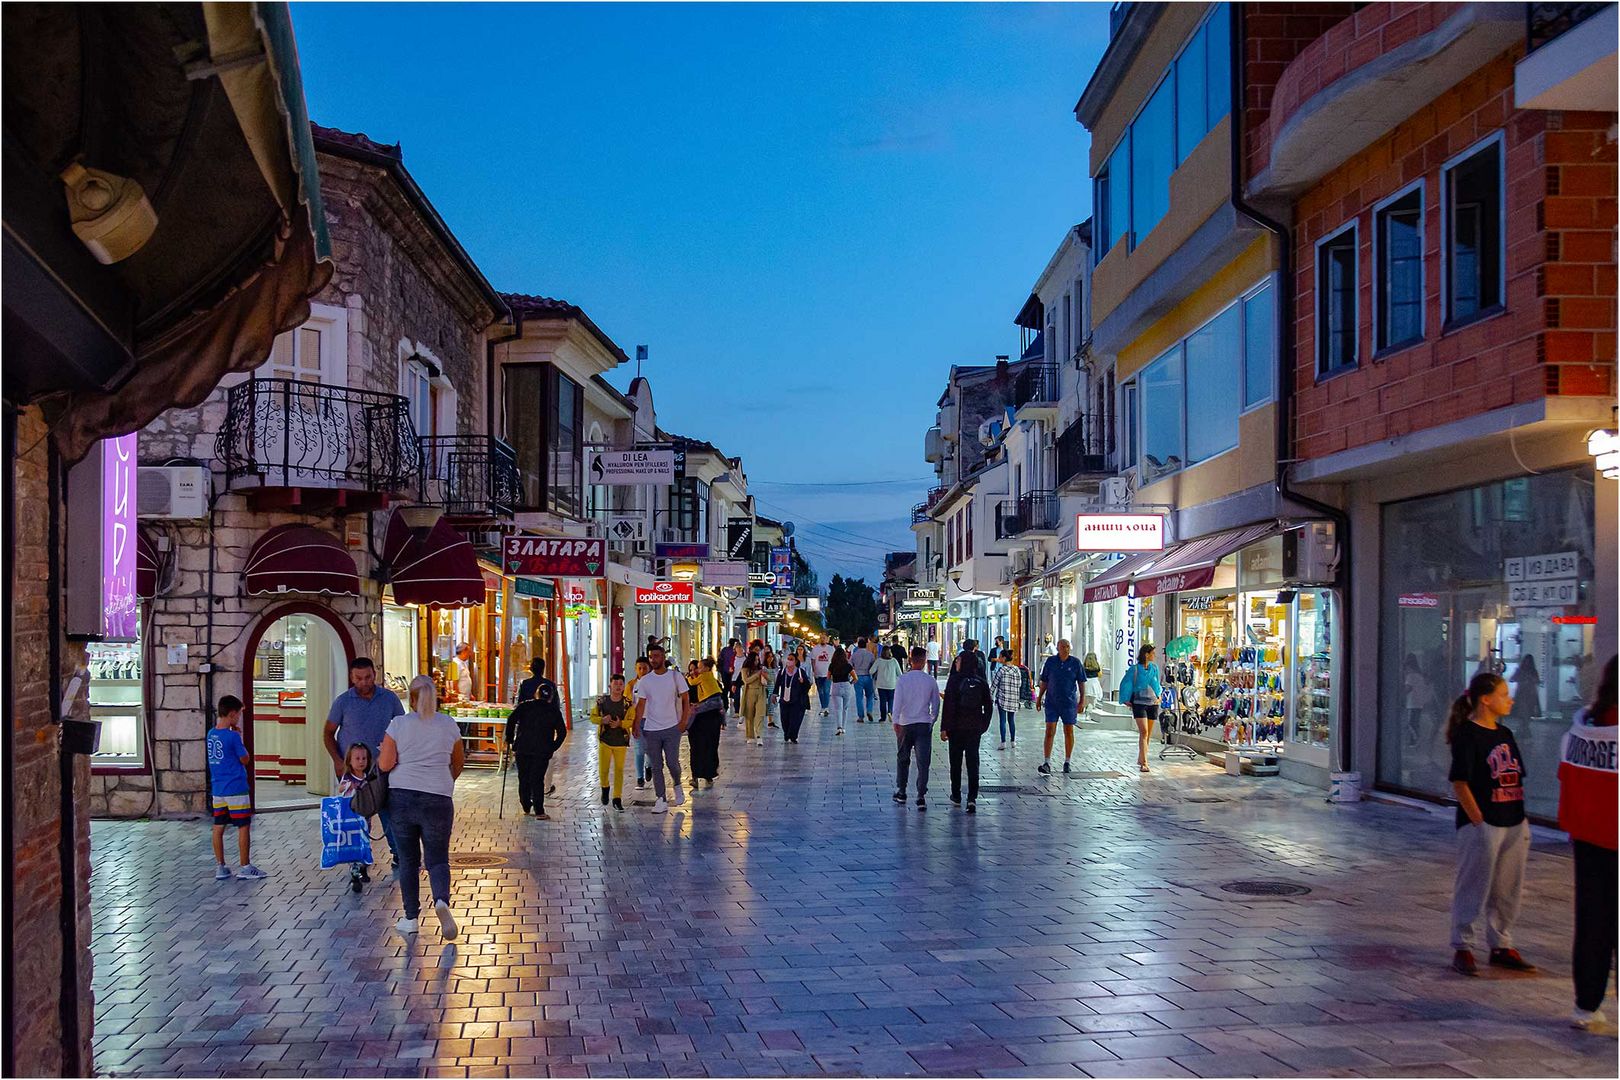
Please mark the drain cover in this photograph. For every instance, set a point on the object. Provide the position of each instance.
(1265, 888)
(470, 860)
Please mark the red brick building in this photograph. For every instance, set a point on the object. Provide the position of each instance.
(1448, 190)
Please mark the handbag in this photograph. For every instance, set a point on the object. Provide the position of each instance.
(372, 797)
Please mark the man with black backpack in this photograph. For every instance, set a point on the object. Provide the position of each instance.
(963, 719)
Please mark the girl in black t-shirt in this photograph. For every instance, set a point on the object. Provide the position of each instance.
(1493, 838)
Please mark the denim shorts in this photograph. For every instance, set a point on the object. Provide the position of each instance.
(1064, 714)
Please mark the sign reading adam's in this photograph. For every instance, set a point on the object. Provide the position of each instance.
(555, 556)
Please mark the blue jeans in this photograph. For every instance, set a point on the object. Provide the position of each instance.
(865, 696)
(422, 822)
(915, 739)
(387, 820)
(843, 696)
(641, 758)
(1008, 725)
(823, 685)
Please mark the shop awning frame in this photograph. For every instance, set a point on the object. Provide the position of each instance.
(1178, 568)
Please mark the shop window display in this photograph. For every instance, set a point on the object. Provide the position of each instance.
(116, 699)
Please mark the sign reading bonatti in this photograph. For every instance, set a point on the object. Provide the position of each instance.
(556, 556)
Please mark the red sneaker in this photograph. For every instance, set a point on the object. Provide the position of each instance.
(1510, 959)
(1463, 963)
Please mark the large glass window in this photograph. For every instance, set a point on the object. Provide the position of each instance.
(1336, 303)
(1259, 345)
(1399, 273)
(567, 449)
(1473, 212)
(1152, 160)
(1161, 383)
(544, 423)
(1192, 117)
(525, 423)
(1498, 577)
(1129, 411)
(1214, 385)
(1218, 48)
(118, 701)
(1112, 206)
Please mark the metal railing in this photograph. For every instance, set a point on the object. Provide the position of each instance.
(289, 433)
(1036, 384)
(1034, 511)
(1081, 450)
(919, 512)
(1545, 22)
(470, 475)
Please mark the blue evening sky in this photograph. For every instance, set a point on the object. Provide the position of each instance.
(807, 212)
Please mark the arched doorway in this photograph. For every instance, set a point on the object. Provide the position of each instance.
(297, 662)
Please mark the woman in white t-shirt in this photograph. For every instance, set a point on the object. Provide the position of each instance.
(422, 755)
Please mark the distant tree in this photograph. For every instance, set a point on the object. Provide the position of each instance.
(804, 578)
(851, 608)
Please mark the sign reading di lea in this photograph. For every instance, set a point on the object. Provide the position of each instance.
(665, 592)
(1119, 532)
(556, 556)
(631, 467)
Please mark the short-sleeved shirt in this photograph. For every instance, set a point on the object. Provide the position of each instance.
(227, 775)
(933, 650)
(658, 699)
(820, 660)
(863, 661)
(1488, 761)
(425, 748)
(1063, 680)
(362, 720)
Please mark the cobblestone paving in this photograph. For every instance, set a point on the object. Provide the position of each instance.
(794, 921)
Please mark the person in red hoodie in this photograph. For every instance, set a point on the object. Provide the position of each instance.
(1586, 810)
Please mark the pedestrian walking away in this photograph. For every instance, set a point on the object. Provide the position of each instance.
(841, 677)
(964, 718)
(228, 766)
(611, 715)
(864, 660)
(885, 676)
(422, 755)
(637, 743)
(916, 707)
(1586, 802)
(1493, 837)
(662, 713)
(820, 660)
(534, 732)
(1063, 689)
(1141, 689)
(792, 690)
(708, 719)
(770, 668)
(755, 691)
(1007, 687)
(362, 714)
(933, 656)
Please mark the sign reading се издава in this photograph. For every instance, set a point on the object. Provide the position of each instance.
(556, 556)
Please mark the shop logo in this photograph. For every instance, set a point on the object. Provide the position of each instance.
(665, 592)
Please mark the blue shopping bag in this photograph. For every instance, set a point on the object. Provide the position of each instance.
(344, 836)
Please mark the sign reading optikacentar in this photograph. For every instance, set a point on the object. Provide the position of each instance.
(556, 556)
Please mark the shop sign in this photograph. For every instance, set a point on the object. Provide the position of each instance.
(759, 593)
(932, 615)
(807, 603)
(556, 556)
(101, 601)
(926, 592)
(629, 468)
(1563, 564)
(578, 611)
(1197, 603)
(1417, 600)
(755, 577)
(1575, 620)
(681, 551)
(739, 537)
(627, 527)
(1544, 593)
(665, 592)
(907, 618)
(724, 572)
(533, 587)
(1119, 532)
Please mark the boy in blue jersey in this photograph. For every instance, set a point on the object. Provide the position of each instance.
(228, 764)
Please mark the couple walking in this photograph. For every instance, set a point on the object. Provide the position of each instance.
(964, 712)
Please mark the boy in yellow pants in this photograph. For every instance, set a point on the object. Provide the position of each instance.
(610, 715)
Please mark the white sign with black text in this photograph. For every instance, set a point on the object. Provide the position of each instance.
(630, 467)
(1119, 532)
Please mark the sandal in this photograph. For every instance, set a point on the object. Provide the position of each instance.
(1142, 767)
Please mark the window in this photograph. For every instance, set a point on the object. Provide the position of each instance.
(1474, 233)
(1259, 345)
(425, 394)
(1153, 140)
(1192, 118)
(544, 409)
(1111, 200)
(1130, 426)
(567, 445)
(1218, 81)
(689, 508)
(1336, 302)
(1162, 398)
(1214, 385)
(1398, 251)
(316, 352)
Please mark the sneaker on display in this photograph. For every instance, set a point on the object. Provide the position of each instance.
(447, 921)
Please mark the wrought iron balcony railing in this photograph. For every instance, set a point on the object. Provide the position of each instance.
(1546, 22)
(1081, 450)
(1034, 511)
(919, 512)
(1036, 385)
(470, 475)
(285, 433)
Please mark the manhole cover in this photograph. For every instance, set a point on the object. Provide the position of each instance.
(1265, 888)
(469, 860)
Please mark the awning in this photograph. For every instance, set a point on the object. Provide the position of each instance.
(437, 567)
(1178, 568)
(146, 566)
(299, 558)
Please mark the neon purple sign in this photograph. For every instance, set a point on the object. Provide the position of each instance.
(120, 616)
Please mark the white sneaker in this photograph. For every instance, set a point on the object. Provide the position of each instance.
(840, 731)
(660, 807)
(447, 921)
(679, 797)
(406, 926)
(249, 872)
(1584, 1020)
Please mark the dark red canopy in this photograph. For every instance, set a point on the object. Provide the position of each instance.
(146, 566)
(299, 558)
(437, 567)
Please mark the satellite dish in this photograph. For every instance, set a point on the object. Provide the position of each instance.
(787, 529)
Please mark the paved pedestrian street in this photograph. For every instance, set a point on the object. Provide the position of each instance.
(794, 921)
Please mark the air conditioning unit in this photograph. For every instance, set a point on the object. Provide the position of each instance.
(1310, 554)
(1116, 491)
(957, 609)
(173, 492)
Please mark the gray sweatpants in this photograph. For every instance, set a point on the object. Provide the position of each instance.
(1490, 879)
(663, 748)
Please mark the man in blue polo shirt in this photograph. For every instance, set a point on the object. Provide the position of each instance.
(361, 714)
(1063, 688)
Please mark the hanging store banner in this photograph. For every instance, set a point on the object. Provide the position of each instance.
(724, 572)
(627, 527)
(739, 537)
(681, 551)
(101, 600)
(665, 592)
(1111, 533)
(556, 556)
(630, 468)
(932, 615)
(782, 567)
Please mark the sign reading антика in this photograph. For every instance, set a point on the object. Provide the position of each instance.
(665, 592)
(556, 556)
(1119, 532)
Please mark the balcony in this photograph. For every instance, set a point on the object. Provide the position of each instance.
(1082, 454)
(1364, 76)
(1035, 391)
(473, 477)
(1569, 60)
(919, 512)
(1032, 512)
(291, 443)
